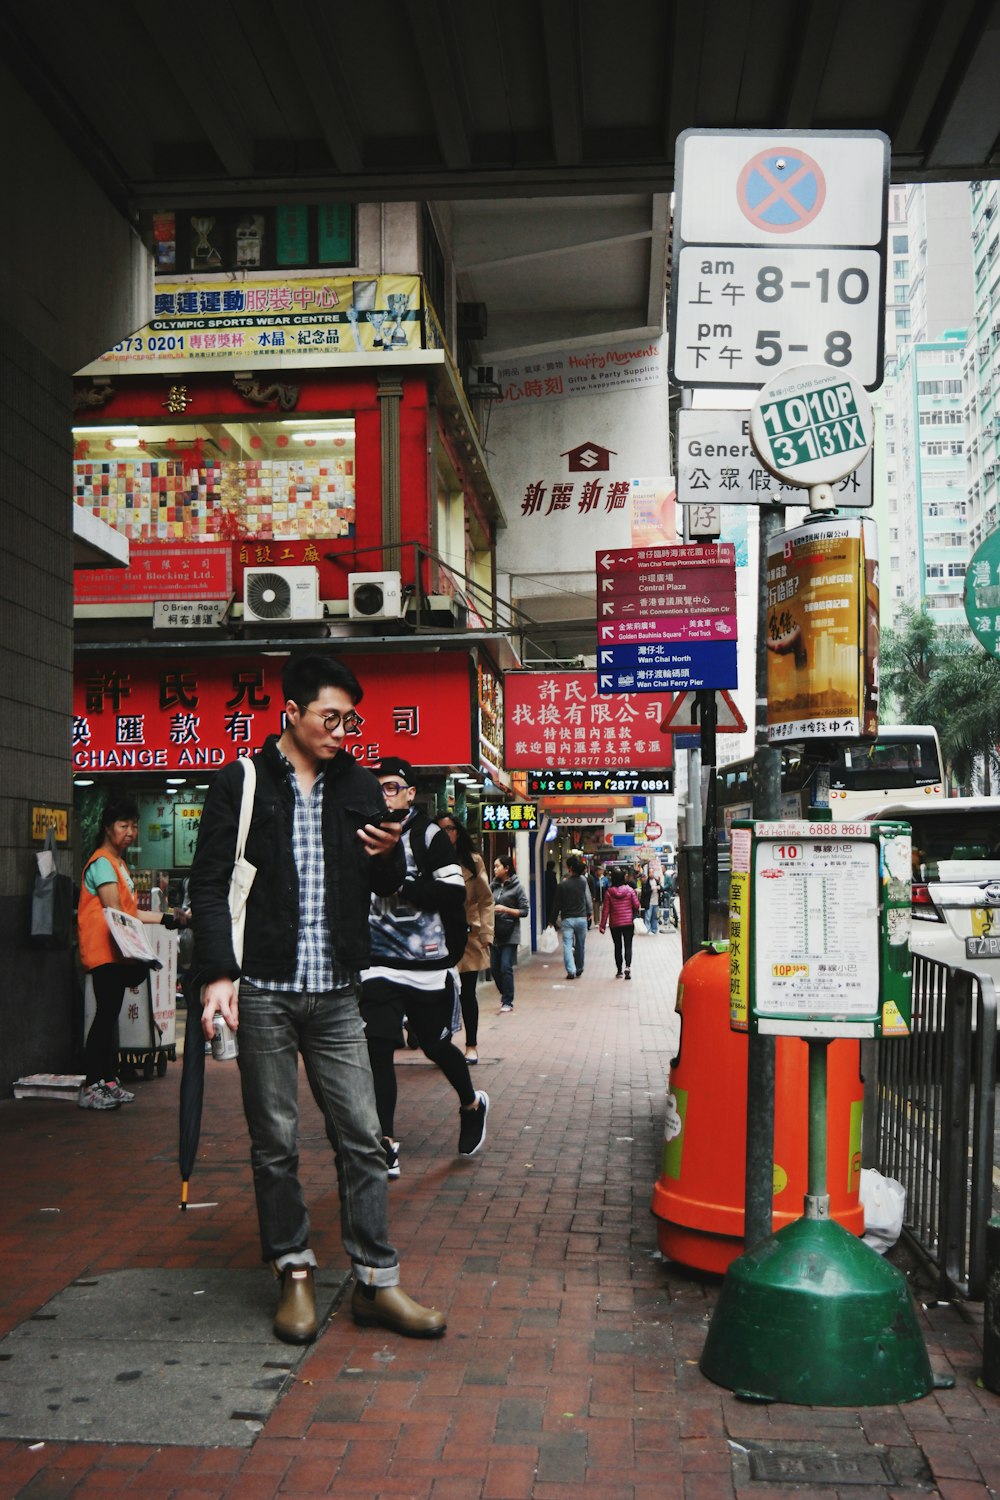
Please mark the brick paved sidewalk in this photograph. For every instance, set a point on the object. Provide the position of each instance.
(570, 1367)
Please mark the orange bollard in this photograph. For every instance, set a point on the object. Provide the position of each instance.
(699, 1196)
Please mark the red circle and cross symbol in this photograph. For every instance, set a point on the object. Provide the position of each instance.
(780, 191)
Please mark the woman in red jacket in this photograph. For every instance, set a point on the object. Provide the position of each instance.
(621, 907)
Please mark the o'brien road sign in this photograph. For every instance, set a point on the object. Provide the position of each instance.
(666, 618)
(811, 426)
(716, 463)
(779, 254)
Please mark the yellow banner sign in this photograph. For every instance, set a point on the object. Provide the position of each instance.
(218, 321)
(44, 818)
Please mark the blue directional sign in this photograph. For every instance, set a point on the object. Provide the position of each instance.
(666, 667)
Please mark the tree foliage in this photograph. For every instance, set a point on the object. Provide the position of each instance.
(940, 675)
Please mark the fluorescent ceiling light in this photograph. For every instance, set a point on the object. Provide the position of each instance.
(129, 442)
(106, 431)
(176, 780)
(314, 437)
(81, 782)
(335, 424)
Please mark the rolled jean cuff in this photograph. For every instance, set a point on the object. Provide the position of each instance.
(376, 1275)
(295, 1258)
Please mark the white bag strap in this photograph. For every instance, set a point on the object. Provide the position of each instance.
(246, 806)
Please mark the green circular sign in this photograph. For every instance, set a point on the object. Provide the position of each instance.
(982, 594)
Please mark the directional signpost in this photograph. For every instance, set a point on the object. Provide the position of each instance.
(779, 275)
(666, 619)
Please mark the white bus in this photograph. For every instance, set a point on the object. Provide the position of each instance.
(903, 765)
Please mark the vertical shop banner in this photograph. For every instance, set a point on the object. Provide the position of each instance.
(177, 713)
(261, 318)
(559, 721)
(822, 631)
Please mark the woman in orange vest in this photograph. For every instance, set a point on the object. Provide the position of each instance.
(107, 882)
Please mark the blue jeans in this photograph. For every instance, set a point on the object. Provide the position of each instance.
(652, 915)
(503, 957)
(326, 1028)
(574, 936)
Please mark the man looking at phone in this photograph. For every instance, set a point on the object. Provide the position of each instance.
(417, 936)
(321, 848)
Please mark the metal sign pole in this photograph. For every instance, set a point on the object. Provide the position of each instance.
(708, 716)
(759, 1181)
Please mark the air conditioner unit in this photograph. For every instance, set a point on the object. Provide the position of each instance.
(374, 596)
(276, 594)
(480, 382)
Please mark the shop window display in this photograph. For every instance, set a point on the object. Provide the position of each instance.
(225, 481)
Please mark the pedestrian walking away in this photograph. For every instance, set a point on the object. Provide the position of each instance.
(479, 916)
(650, 898)
(106, 884)
(417, 935)
(620, 909)
(321, 846)
(574, 907)
(510, 905)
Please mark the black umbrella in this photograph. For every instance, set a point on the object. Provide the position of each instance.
(192, 1092)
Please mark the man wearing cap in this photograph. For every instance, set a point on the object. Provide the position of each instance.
(417, 935)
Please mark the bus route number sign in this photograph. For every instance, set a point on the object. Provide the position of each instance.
(809, 428)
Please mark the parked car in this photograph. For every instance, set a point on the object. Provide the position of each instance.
(956, 878)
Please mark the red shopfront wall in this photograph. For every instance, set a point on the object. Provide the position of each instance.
(212, 398)
(178, 714)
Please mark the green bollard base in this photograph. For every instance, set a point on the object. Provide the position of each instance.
(815, 1318)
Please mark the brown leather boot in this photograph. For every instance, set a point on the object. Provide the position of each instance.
(390, 1307)
(295, 1321)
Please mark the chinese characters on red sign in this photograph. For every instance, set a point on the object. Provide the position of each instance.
(559, 720)
(159, 714)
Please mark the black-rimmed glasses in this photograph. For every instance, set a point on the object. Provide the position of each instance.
(333, 720)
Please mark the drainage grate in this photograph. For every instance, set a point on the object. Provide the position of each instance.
(788, 1466)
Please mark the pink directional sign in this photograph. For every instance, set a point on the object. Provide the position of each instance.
(681, 595)
(647, 559)
(687, 627)
(697, 589)
(672, 628)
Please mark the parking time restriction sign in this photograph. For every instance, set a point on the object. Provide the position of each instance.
(778, 255)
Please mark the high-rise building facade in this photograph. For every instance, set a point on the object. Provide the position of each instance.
(982, 367)
(921, 496)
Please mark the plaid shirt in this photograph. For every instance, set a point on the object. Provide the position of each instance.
(315, 970)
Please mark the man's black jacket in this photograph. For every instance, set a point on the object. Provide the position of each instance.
(351, 798)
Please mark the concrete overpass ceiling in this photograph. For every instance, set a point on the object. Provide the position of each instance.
(259, 101)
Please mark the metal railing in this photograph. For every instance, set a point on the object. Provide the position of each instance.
(935, 1101)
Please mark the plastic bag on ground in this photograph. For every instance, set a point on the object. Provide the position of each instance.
(884, 1202)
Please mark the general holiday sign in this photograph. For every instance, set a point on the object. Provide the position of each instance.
(716, 462)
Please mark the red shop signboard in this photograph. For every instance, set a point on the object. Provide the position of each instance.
(184, 713)
(559, 721)
(187, 570)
